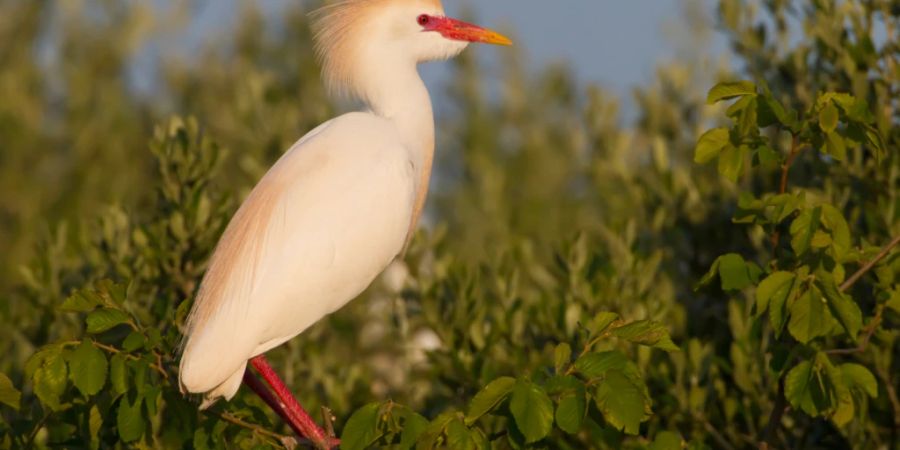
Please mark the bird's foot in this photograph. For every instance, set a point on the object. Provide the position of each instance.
(286, 406)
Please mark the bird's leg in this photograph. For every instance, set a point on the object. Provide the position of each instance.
(297, 415)
(266, 395)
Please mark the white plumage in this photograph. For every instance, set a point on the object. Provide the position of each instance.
(339, 206)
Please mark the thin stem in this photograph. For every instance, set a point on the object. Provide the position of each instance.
(715, 433)
(871, 264)
(867, 335)
(796, 148)
(870, 329)
(781, 406)
(159, 368)
(287, 441)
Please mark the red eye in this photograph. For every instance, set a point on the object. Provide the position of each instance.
(423, 19)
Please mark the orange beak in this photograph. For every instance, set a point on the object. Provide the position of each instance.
(464, 31)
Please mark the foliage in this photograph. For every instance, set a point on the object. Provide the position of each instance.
(720, 273)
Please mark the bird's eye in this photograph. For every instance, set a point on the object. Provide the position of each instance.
(423, 19)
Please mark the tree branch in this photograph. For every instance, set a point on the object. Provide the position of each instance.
(796, 148)
(781, 406)
(871, 264)
(289, 442)
(870, 329)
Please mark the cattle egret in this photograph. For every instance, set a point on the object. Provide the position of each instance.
(335, 210)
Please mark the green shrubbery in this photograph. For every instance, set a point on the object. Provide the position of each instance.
(719, 274)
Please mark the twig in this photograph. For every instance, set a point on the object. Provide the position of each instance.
(864, 269)
(715, 434)
(159, 368)
(778, 411)
(796, 148)
(328, 418)
(892, 396)
(870, 329)
(288, 442)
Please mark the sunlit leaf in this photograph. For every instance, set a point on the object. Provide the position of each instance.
(9, 395)
(710, 145)
(728, 90)
(88, 368)
(623, 401)
(103, 319)
(532, 410)
(361, 429)
(489, 397)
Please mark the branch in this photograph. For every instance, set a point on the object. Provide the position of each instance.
(288, 442)
(778, 411)
(871, 264)
(158, 367)
(796, 148)
(870, 329)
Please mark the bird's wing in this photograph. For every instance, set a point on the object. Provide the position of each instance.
(314, 233)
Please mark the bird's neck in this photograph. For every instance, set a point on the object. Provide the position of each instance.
(396, 92)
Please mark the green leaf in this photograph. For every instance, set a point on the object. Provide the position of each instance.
(731, 162)
(571, 410)
(595, 365)
(710, 274)
(88, 368)
(835, 146)
(104, 319)
(361, 429)
(413, 427)
(828, 118)
(842, 307)
(647, 332)
(809, 317)
(893, 301)
(532, 410)
(117, 374)
(562, 355)
(601, 322)
(129, 419)
(9, 395)
(710, 145)
(733, 272)
(729, 90)
(134, 341)
(774, 291)
(666, 440)
(834, 220)
(809, 387)
(50, 379)
(81, 301)
(460, 437)
(858, 376)
(768, 157)
(489, 397)
(803, 228)
(95, 423)
(623, 401)
(429, 439)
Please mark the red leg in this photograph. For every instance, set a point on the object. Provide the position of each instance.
(264, 393)
(292, 408)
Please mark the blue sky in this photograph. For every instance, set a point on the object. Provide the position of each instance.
(616, 43)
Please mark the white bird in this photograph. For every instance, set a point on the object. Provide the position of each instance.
(335, 210)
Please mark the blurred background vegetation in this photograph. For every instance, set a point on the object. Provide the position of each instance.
(548, 207)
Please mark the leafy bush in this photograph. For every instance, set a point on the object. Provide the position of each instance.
(580, 284)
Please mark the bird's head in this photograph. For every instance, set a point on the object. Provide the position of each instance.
(355, 37)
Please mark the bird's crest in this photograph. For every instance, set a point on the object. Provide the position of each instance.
(339, 31)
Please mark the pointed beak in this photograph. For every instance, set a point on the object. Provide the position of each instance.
(464, 31)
